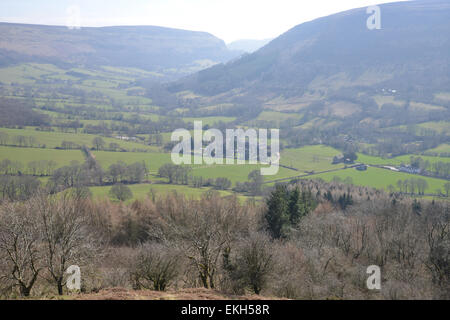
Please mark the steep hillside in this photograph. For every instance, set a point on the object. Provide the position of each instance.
(339, 55)
(149, 48)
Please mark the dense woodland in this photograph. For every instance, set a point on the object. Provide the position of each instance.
(307, 240)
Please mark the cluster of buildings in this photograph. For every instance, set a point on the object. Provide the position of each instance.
(125, 138)
(337, 160)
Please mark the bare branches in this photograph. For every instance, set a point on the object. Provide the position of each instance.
(20, 246)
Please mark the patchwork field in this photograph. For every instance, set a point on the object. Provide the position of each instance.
(153, 160)
(26, 155)
(397, 160)
(141, 191)
(443, 148)
(310, 158)
(278, 116)
(442, 127)
(109, 96)
(209, 120)
(380, 178)
(54, 139)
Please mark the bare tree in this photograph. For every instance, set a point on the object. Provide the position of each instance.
(98, 143)
(3, 138)
(438, 241)
(121, 192)
(447, 188)
(254, 262)
(66, 234)
(201, 229)
(19, 247)
(156, 267)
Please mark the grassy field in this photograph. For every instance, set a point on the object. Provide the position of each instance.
(140, 191)
(278, 116)
(26, 73)
(114, 92)
(209, 120)
(54, 139)
(442, 127)
(443, 148)
(310, 158)
(153, 160)
(103, 80)
(419, 106)
(406, 158)
(381, 100)
(377, 160)
(237, 173)
(380, 178)
(397, 160)
(26, 155)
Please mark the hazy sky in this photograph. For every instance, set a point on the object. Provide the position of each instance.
(227, 19)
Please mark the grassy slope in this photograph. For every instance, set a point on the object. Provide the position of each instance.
(380, 178)
(54, 139)
(140, 191)
(443, 148)
(397, 160)
(153, 160)
(310, 158)
(26, 155)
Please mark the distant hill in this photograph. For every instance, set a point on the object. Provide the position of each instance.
(336, 65)
(248, 45)
(147, 47)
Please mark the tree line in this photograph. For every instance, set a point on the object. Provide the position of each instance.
(412, 185)
(35, 168)
(298, 243)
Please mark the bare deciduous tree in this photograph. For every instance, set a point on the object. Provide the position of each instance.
(438, 241)
(201, 229)
(254, 261)
(66, 234)
(156, 267)
(20, 247)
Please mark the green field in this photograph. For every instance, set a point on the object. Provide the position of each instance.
(209, 120)
(114, 93)
(380, 178)
(443, 148)
(140, 191)
(371, 160)
(442, 127)
(310, 158)
(26, 155)
(406, 159)
(278, 116)
(237, 173)
(153, 160)
(54, 139)
(26, 73)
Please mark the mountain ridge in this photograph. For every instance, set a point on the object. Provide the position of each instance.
(413, 35)
(151, 48)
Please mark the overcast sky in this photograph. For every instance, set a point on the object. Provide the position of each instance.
(227, 19)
